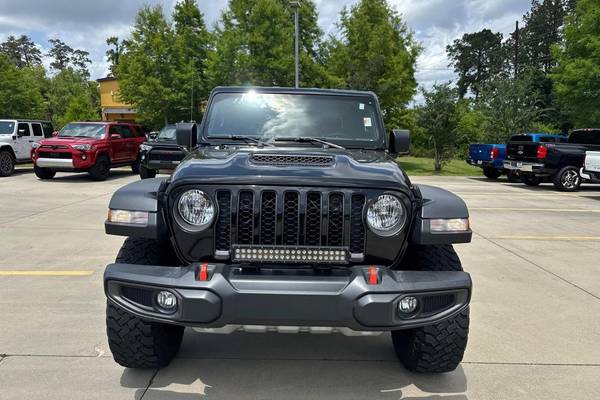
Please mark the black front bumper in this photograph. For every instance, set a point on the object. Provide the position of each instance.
(288, 297)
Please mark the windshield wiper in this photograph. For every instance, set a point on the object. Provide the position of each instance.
(241, 137)
(309, 140)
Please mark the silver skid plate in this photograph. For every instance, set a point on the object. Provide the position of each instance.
(287, 329)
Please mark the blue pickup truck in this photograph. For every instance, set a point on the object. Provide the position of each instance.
(490, 157)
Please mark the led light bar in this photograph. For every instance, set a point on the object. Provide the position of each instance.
(290, 254)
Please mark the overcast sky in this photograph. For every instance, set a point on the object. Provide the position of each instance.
(86, 24)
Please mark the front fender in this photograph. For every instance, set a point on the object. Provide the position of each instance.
(437, 203)
(139, 196)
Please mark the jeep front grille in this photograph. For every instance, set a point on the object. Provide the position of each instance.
(290, 217)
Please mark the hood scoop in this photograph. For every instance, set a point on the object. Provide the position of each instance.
(292, 160)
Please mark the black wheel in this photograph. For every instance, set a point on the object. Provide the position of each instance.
(135, 167)
(530, 180)
(567, 179)
(43, 173)
(134, 342)
(100, 170)
(491, 173)
(513, 177)
(7, 163)
(439, 347)
(146, 173)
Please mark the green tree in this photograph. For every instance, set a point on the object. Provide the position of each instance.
(20, 91)
(64, 56)
(154, 72)
(79, 108)
(438, 118)
(576, 77)
(22, 51)
(376, 52)
(196, 40)
(71, 97)
(510, 106)
(254, 45)
(113, 53)
(477, 58)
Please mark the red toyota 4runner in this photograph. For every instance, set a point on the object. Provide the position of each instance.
(93, 147)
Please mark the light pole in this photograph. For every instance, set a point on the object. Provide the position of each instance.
(296, 5)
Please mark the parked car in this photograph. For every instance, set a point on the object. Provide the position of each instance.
(93, 147)
(292, 216)
(490, 157)
(162, 153)
(558, 163)
(591, 167)
(16, 139)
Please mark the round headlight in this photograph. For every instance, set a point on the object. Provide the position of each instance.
(196, 208)
(386, 215)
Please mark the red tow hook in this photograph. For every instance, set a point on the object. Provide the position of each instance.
(203, 274)
(373, 275)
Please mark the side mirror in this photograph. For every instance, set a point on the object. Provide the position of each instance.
(152, 135)
(399, 141)
(115, 136)
(187, 135)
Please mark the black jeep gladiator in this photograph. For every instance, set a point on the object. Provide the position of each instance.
(161, 153)
(559, 163)
(289, 214)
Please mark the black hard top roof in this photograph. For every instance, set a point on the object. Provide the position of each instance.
(288, 90)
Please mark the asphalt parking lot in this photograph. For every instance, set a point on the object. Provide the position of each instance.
(535, 314)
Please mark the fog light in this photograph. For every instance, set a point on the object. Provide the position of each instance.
(83, 157)
(166, 300)
(407, 305)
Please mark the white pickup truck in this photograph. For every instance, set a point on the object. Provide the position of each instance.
(591, 166)
(16, 138)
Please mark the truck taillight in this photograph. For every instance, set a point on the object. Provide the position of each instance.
(542, 151)
(495, 153)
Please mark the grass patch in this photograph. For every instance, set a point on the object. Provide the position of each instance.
(424, 166)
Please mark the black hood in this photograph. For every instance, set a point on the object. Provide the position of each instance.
(241, 166)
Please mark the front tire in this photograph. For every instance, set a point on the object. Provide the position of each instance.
(7, 163)
(439, 347)
(100, 170)
(134, 342)
(567, 179)
(43, 173)
(491, 173)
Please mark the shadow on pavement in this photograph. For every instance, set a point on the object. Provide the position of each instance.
(301, 366)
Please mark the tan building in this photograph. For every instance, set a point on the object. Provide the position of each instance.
(112, 107)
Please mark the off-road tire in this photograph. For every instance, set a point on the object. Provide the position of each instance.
(146, 173)
(491, 173)
(439, 347)
(567, 179)
(7, 163)
(43, 173)
(100, 170)
(530, 180)
(134, 342)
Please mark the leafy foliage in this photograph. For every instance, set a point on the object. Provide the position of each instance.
(22, 51)
(20, 90)
(576, 77)
(65, 57)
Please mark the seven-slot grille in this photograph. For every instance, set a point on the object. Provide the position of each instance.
(290, 218)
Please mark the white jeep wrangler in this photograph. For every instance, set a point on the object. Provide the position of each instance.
(16, 139)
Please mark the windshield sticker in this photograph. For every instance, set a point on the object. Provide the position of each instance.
(367, 122)
(361, 106)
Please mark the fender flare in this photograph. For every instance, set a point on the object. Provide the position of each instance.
(438, 203)
(142, 195)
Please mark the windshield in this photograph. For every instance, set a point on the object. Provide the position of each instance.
(96, 131)
(167, 133)
(278, 116)
(7, 127)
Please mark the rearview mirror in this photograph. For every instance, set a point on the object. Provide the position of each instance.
(187, 135)
(399, 141)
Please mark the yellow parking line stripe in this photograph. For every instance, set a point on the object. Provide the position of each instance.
(571, 210)
(549, 238)
(46, 273)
